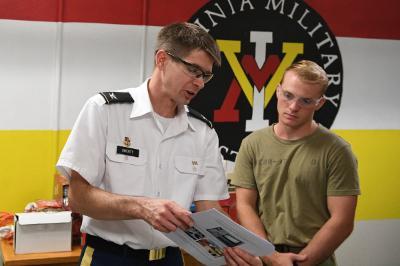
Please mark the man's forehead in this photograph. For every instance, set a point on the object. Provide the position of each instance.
(302, 89)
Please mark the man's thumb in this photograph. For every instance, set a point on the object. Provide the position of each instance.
(300, 257)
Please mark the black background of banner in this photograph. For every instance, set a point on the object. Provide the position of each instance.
(285, 29)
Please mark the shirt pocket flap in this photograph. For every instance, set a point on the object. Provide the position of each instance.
(111, 152)
(189, 165)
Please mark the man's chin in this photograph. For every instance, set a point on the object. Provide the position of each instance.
(186, 101)
(290, 123)
(289, 120)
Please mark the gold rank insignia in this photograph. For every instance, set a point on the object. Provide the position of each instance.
(127, 141)
(194, 164)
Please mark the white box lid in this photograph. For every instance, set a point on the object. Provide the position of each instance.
(26, 218)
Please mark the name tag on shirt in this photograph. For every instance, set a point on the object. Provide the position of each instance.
(127, 151)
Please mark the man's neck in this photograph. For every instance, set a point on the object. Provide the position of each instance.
(289, 133)
(162, 105)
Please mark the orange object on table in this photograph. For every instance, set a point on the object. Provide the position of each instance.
(67, 258)
(6, 218)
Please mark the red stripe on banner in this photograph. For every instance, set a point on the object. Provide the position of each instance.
(360, 18)
(130, 12)
(36, 10)
(355, 18)
(135, 12)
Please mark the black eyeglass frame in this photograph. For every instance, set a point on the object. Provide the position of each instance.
(206, 76)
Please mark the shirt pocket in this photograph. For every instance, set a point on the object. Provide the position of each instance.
(126, 174)
(189, 165)
(187, 172)
(111, 152)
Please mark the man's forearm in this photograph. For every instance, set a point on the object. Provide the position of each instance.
(334, 231)
(100, 204)
(326, 241)
(203, 205)
(250, 219)
(163, 215)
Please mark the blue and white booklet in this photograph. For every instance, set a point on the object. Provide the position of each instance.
(212, 232)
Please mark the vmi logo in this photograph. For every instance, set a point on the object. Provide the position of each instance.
(259, 39)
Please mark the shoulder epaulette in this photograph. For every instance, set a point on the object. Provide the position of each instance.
(117, 97)
(199, 116)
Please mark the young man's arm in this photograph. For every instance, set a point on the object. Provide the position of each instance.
(203, 205)
(246, 204)
(333, 232)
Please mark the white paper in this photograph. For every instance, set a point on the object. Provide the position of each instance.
(212, 232)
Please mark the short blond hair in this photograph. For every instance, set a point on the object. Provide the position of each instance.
(309, 72)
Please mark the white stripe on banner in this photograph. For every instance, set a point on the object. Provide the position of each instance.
(95, 57)
(102, 57)
(370, 243)
(370, 84)
(27, 73)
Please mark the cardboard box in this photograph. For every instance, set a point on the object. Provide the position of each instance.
(37, 232)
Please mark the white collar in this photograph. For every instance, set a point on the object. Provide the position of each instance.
(142, 105)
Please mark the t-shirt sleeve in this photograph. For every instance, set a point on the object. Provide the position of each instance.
(85, 148)
(343, 173)
(212, 185)
(243, 174)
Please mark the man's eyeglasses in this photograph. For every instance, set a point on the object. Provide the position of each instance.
(303, 102)
(192, 69)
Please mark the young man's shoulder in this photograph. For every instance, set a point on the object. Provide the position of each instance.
(260, 133)
(254, 138)
(331, 137)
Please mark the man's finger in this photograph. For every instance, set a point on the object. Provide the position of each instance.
(228, 258)
(299, 257)
(240, 257)
(185, 220)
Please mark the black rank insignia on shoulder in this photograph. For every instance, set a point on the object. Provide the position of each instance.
(117, 97)
(196, 114)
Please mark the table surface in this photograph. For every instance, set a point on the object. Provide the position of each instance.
(51, 258)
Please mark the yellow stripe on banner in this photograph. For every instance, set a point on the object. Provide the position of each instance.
(377, 152)
(28, 165)
(27, 161)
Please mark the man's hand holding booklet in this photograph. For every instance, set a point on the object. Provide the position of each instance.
(212, 232)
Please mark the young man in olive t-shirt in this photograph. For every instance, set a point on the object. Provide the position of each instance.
(297, 182)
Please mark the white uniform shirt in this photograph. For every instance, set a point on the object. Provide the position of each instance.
(182, 164)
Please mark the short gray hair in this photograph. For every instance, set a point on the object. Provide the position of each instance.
(183, 37)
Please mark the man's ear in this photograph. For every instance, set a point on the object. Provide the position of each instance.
(321, 103)
(160, 58)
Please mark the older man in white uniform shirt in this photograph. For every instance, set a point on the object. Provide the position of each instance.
(139, 157)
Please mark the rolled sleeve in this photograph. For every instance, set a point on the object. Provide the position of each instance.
(85, 148)
(213, 184)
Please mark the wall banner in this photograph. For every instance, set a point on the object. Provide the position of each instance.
(258, 41)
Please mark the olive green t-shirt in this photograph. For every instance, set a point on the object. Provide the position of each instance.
(294, 178)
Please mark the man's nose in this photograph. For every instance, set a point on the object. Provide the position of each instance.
(199, 82)
(294, 105)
